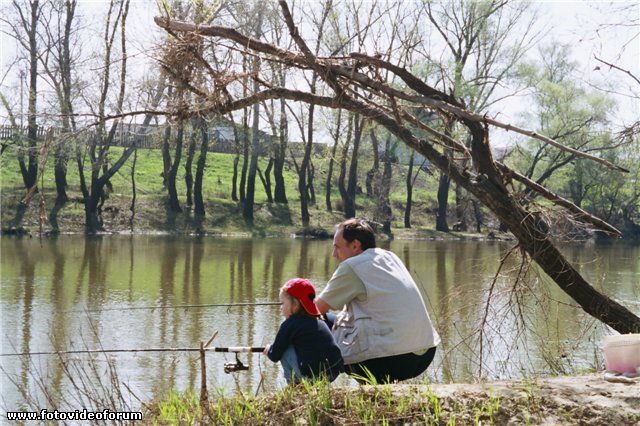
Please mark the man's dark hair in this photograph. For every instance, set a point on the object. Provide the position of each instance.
(358, 229)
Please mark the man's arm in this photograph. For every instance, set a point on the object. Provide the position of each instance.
(343, 287)
(322, 306)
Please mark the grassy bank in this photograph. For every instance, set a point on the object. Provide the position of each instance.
(320, 404)
(149, 212)
(582, 399)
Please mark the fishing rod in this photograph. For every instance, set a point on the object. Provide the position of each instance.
(205, 305)
(229, 367)
(232, 349)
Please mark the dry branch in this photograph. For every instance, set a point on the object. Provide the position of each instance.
(329, 68)
(581, 215)
(372, 97)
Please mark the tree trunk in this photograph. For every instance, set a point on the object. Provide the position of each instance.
(311, 172)
(234, 178)
(166, 155)
(334, 149)
(132, 206)
(385, 188)
(303, 187)
(202, 160)
(352, 184)
(174, 203)
(245, 158)
(247, 210)
(368, 184)
(304, 201)
(188, 172)
(266, 180)
(443, 201)
(342, 176)
(477, 213)
(66, 104)
(279, 192)
(255, 136)
(409, 186)
(236, 161)
(443, 188)
(302, 181)
(30, 172)
(93, 221)
(461, 207)
(60, 173)
(526, 227)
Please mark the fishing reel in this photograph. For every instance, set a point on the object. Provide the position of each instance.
(232, 367)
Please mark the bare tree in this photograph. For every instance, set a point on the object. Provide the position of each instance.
(24, 28)
(247, 210)
(487, 179)
(276, 111)
(58, 62)
(97, 147)
(305, 183)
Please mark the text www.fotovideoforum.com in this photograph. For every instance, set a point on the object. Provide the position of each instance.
(73, 415)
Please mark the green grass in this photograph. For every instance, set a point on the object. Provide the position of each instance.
(319, 403)
(222, 213)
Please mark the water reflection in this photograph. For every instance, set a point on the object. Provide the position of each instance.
(76, 293)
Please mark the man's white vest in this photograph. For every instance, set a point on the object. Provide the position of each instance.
(392, 321)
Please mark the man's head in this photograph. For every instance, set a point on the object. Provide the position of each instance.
(352, 237)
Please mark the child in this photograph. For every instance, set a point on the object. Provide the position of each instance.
(304, 344)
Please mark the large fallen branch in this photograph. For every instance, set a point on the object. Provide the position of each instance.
(369, 95)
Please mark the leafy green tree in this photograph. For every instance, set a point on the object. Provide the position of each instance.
(611, 196)
(479, 57)
(577, 118)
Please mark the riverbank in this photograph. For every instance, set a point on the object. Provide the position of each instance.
(572, 400)
(223, 218)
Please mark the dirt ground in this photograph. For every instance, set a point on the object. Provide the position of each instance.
(568, 400)
(584, 400)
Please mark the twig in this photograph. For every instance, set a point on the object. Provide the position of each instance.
(618, 68)
(204, 395)
(582, 215)
(486, 308)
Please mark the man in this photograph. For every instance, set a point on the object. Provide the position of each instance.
(384, 330)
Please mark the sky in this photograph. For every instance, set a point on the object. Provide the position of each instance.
(582, 24)
(593, 29)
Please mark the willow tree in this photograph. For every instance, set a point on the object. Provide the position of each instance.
(357, 85)
(483, 43)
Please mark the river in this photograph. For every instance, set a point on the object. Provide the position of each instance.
(128, 292)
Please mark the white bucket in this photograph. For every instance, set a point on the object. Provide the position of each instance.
(622, 353)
